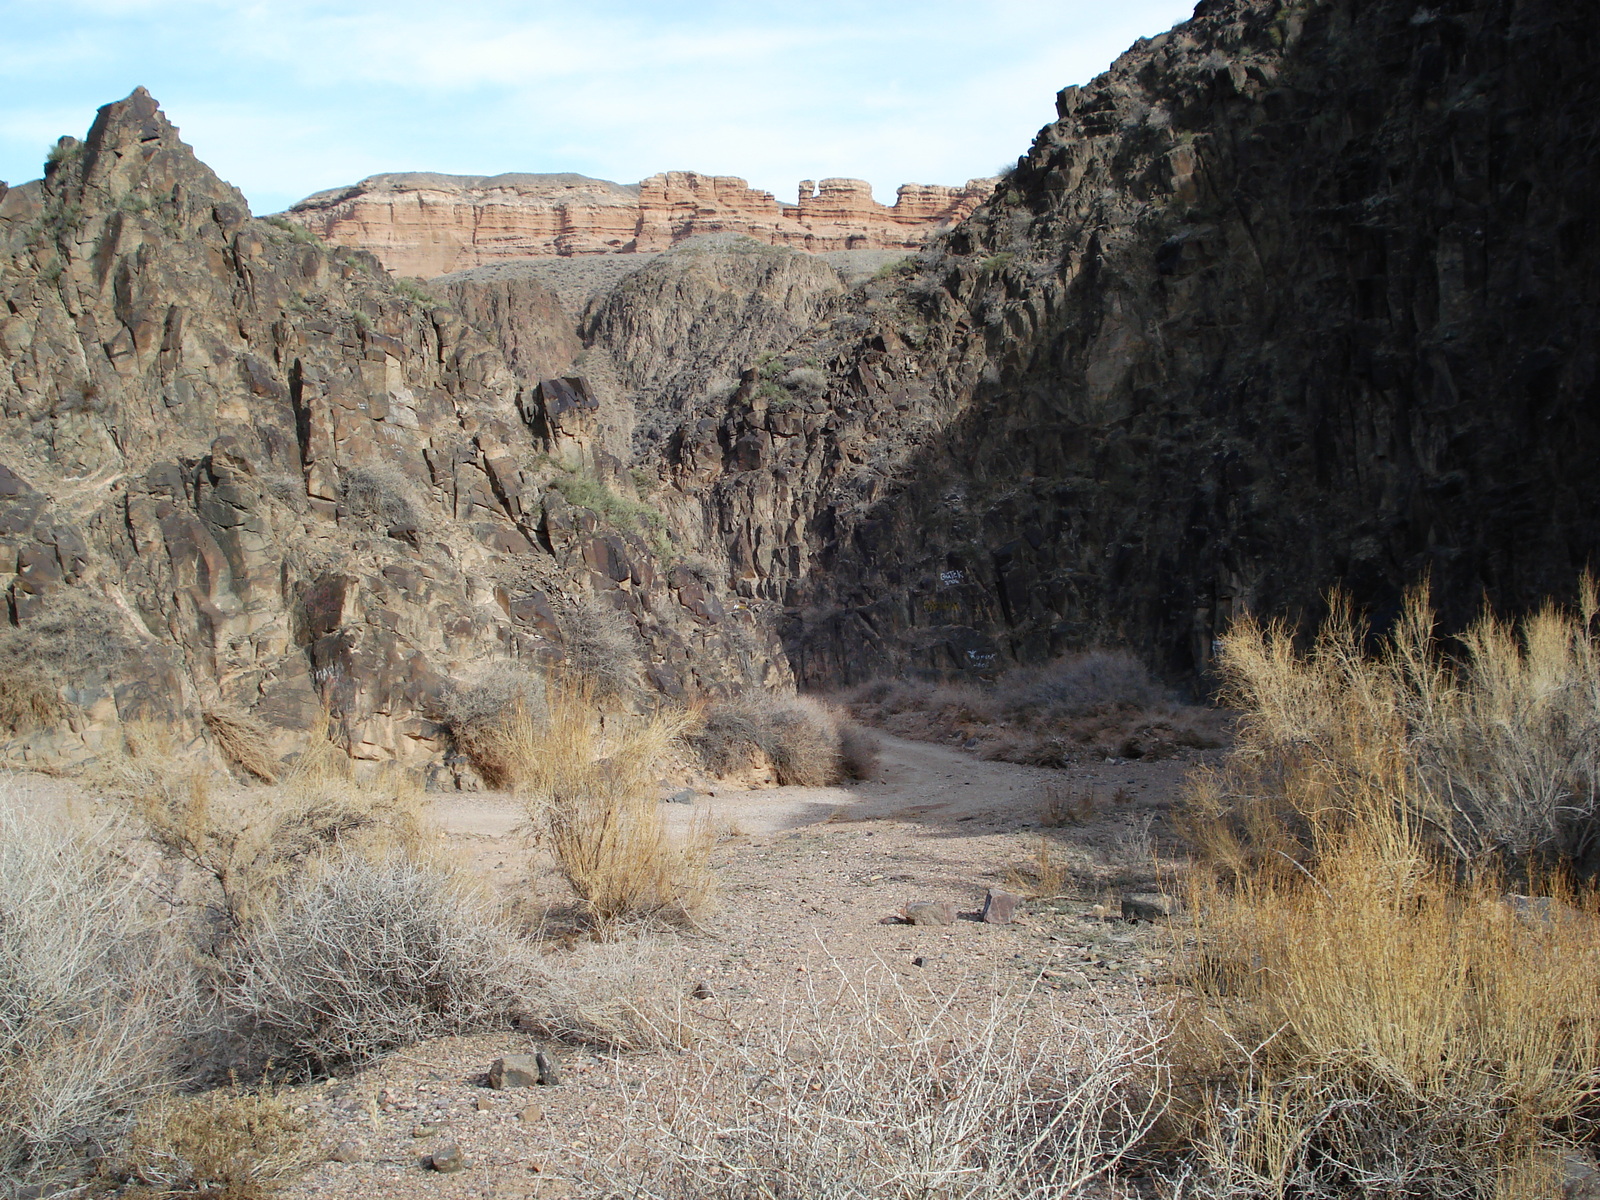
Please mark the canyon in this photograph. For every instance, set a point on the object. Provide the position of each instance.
(421, 224)
(1296, 296)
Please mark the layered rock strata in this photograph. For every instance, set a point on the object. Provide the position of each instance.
(241, 471)
(424, 225)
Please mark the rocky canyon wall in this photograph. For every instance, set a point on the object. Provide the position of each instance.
(1298, 295)
(241, 473)
(425, 225)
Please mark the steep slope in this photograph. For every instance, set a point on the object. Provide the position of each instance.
(1298, 294)
(681, 329)
(239, 470)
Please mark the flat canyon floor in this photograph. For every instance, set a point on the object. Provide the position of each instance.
(810, 880)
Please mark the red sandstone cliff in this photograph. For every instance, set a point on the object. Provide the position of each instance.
(425, 224)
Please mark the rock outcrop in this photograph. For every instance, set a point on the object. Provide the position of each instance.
(1300, 294)
(241, 471)
(421, 224)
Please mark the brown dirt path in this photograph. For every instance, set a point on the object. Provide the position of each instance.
(807, 878)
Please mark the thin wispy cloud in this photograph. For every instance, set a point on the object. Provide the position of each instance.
(289, 97)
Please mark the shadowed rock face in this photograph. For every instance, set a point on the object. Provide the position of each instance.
(287, 486)
(1297, 295)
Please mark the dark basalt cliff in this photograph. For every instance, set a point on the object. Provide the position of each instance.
(1297, 295)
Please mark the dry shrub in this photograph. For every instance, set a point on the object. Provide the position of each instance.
(875, 1093)
(1095, 702)
(1493, 754)
(1061, 805)
(243, 740)
(492, 718)
(798, 736)
(91, 985)
(226, 1144)
(602, 646)
(68, 637)
(365, 954)
(620, 995)
(859, 750)
(248, 844)
(1045, 877)
(1376, 1026)
(589, 783)
(1372, 1015)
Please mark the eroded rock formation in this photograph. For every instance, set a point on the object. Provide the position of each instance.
(239, 470)
(1300, 294)
(425, 225)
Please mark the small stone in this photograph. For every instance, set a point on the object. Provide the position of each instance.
(1147, 906)
(424, 1130)
(530, 1115)
(999, 908)
(701, 991)
(683, 796)
(484, 1104)
(930, 912)
(345, 1152)
(549, 1069)
(919, 961)
(514, 1071)
(448, 1158)
(1580, 1180)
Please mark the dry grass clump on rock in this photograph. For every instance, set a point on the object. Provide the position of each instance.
(243, 741)
(68, 636)
(602, 646)
(876, 1093)
(1372, 1014)
(803, 740)
(1097, 703)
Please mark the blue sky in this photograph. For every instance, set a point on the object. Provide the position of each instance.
(288, 97)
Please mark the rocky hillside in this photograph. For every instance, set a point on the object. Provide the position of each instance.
(241, 473)
(425, 224)
(1295, 295)
(1298, 294)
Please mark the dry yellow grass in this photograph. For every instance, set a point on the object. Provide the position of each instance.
(1491, 753)
(226, 1144)
(588, 780)
(249, 843)
(1372, 1014)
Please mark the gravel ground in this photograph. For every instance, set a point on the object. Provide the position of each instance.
(810, 882)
